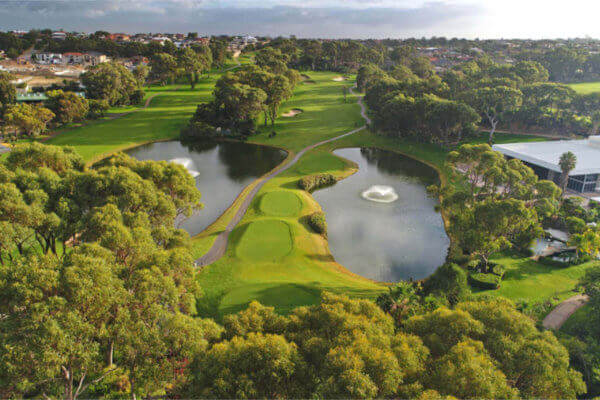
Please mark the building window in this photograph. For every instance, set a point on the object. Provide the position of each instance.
(583, 183)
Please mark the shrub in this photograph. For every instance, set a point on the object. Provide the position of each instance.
(498, 270)
(456, 254)
(197, 130)
(97, 108)
(449, 281)
(317, 222)
(484, 281)
(312, 182)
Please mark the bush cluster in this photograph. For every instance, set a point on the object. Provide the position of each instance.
(313, 182)
(317, 222)
(483, 278)
(484, 281)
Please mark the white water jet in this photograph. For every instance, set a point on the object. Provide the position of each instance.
(380, 194)
(188, 164)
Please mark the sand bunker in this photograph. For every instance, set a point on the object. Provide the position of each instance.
(305, 77)
(292, 113)
(340, 79)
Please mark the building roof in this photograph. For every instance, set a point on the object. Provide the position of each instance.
(547, 154)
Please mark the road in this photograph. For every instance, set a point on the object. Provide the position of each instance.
(557, 317)
(220, 245)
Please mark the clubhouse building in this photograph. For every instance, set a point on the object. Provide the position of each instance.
(543, 158)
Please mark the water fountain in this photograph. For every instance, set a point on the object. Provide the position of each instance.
(380, 194)
(188, 164)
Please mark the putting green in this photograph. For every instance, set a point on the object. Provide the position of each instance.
(265, 240)
(280, 204)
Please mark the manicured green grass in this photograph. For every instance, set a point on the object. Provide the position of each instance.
(169, 110)
(325, 114)
(260, 267)
(267, 240)
(586, 87)
(280, 204)
(526, 279)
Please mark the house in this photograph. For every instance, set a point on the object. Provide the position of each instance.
(119, 37)
(95, 58)
(91, 58)
(73, 58)
(160, 39)
(543, 158)
(59, 35)
(203, 41)
(139, 60)
(48, 58)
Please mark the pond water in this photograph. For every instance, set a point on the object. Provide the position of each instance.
(221, 171)
(381, 223)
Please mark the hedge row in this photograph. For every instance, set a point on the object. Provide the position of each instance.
(317, 222)
(484, 281)
(312, 182)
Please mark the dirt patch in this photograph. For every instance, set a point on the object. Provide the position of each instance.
(305, 77)
(292, 113)
(340, 78)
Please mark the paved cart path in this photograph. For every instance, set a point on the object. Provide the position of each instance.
(557, 317)
(220, 245)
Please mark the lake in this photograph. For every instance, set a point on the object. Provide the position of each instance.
(397, 234)
(222, 170)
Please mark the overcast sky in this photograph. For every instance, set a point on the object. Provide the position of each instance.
(314, 18)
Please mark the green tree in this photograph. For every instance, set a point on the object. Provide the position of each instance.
(8, 92)
(24, 119)
(567, 163)
(467, 372)
(240, 101)
(586, 243)
(163, 67)
(141, 73)
(255, 366)
(111, 82)
(67, 106)
(493, 103)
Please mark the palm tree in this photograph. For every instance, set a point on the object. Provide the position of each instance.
(567, 164)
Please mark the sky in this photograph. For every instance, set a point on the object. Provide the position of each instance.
(471, 19)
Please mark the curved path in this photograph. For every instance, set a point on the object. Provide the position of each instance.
(220, 245)
(557, 317)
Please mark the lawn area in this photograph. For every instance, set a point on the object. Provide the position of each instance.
(526, 279)
(272, 255)
(324, 115)
(170, 108)
(585, 87)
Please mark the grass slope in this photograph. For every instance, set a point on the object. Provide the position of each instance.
(258, 264)
(526, 279)
(585, 87)
(169, 110)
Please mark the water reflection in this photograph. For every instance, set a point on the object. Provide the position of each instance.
(385, 241)
(223, 170)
